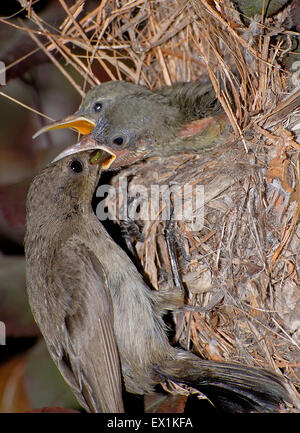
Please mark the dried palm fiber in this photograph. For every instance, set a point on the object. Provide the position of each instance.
(243, 265)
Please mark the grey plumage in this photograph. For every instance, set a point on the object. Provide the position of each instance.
(190, 101)
(97, 314)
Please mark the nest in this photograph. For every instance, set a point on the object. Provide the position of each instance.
(242, 266)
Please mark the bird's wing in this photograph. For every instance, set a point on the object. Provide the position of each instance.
(86, 352)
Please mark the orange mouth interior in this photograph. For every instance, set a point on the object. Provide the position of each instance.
(103, 158)
(80, 124)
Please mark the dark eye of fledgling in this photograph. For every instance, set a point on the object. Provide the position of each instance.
(118, 140)
(76, 166)
(97, 107)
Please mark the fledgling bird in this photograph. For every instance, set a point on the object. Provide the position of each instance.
(134, 127)
(96, 312)
(194, 99)
(97, 98)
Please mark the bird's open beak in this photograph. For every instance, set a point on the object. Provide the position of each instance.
(118, 157)
(88, 143)
(79, 123)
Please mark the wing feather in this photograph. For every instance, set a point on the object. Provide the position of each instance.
(86, 351)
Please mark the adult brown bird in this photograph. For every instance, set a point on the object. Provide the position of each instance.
(97, 313)
(186, 118)
(67, 287)
(194, 99)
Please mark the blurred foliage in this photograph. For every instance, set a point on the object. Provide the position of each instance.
(14, 308)
(43, 383)
(255, 7)
(29, 379)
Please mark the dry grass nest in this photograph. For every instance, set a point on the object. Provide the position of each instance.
(243, 265)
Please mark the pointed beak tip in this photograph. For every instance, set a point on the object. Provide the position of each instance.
(81, 124)
(40, 132)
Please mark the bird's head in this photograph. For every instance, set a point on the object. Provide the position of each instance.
(97, 100)
(132, 128)
(63, 189)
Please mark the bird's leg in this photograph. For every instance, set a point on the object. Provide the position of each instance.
(129, 229)
(170, 237)
(168, 299)
(216, 299)
(171, 241)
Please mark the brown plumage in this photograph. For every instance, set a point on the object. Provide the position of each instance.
(97, 314)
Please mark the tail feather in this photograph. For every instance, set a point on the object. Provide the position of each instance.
(231, 387)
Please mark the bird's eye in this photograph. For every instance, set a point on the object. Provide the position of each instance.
(118, 140)
(97, 107)
(76, 166)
